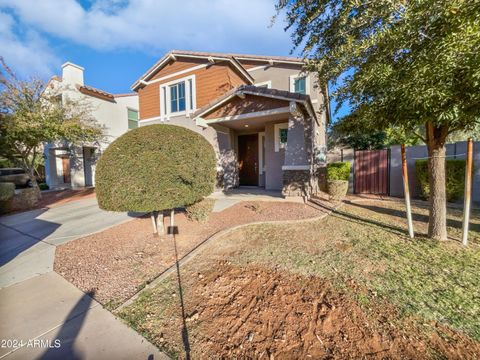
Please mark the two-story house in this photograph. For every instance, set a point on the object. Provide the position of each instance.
(264, 116)
(68, 165)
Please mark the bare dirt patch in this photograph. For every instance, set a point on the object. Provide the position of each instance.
(117, 262)
(260, 312)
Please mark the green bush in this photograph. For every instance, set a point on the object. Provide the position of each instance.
(43, 186)
(455, 178)
(338, 171)
(200, 210)
(155, 167)
(7, 190)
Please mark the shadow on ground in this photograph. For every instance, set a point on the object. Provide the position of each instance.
(64, 348)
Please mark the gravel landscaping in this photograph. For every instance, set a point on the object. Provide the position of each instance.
(120, 261)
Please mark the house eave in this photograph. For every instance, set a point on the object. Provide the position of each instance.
(173, 56)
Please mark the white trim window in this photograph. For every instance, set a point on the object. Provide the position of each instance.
(280, 136)
(300, 83)
(265, 84)
(132, 116)
(178, 97)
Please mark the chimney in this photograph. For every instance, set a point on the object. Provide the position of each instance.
(72, 74)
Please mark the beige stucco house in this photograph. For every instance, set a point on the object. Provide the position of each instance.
(68, 166)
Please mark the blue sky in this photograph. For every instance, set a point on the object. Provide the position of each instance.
(116, 41)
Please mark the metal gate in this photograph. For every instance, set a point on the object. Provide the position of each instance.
(371, 172)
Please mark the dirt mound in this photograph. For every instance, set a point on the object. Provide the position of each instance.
(263, 313)
(266, 314)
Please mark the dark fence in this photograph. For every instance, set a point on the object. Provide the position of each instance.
(371, 171)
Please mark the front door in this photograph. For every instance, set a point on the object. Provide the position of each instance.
(66, 170)
(248, 159)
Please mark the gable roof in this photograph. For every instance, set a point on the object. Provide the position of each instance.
(257, 91)
(264, 58)
(172, 55)
(233, 59)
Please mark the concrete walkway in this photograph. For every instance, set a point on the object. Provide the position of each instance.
(38, 306)
(228, 198)
(61, 322)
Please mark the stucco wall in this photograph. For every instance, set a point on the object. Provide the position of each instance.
(279, 76)
(296, 152)
(112, 117)
(273, 160)
(414, 152)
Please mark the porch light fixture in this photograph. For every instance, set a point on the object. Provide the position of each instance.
(246, 125)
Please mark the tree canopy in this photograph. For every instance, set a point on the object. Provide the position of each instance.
(409, 61)
(407, 65)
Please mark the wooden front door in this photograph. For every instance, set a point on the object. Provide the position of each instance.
(248, 159)
(66, 170)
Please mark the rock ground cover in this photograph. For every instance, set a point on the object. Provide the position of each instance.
(120, 261)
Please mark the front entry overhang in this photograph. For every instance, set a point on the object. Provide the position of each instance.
(251, 107)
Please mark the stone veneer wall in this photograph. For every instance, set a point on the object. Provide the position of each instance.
(296, 183)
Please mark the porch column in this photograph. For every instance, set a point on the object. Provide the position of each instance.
(297, 170)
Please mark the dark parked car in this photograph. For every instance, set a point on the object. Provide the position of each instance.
(17, 176)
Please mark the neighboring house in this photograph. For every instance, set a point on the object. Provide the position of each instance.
(265, 118)
(74, 166)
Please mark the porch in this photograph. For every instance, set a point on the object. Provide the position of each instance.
(70, 167)
(263, 138)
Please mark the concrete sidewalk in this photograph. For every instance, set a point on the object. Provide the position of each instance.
(40, 308)
(50, 309)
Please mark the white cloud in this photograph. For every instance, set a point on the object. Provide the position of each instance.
(27, 54)
(150, 25)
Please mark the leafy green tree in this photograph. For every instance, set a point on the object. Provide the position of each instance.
(407, 64)
(32, 114)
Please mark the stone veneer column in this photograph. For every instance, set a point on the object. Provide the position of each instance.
(297, 183)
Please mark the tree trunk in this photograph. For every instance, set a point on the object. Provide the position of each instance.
(35, 186)
(153, 216)
(437, 224)
(161, 227)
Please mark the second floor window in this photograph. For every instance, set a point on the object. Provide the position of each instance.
(299, 85)
(178, 97)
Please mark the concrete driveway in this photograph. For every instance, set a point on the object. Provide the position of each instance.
(28, 239)
(43, 315)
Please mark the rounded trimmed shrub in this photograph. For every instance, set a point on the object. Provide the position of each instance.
(153, 168)
(338, 171)
(454, 180)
